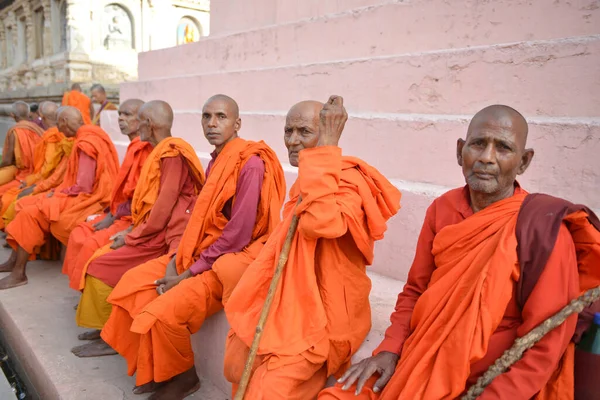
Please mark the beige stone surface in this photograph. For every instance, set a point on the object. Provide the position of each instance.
(38, 321)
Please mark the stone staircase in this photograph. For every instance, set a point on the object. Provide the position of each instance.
(412, 73)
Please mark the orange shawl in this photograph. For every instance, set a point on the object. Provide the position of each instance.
(94, 142)
(129, 173)
(290, 333)
(27, 136)
(81, 102)
(453, 320)
(207, 221)
(44, 165)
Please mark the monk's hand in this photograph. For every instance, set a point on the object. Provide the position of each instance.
(333, 118)
(105, 223)
(23, 185)
(383, 363)
(26, 192)
(118, 242)
(169, 282)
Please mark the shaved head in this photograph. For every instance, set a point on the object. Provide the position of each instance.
(20, 111)
(155, 120)
(302, 128)
(69, 120)
(232, 104)
(49, 113)
(504, 117)
(76, 86)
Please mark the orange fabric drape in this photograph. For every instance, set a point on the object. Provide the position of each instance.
(81, 102)
(207, 221)
(45, 162)
(27, 135)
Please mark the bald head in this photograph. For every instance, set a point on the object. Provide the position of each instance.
(69, 120)
(155, 120)
(76, 86)
(230, 103)
(504, 118)
(302, 128)
(49, 113)
(20, 111)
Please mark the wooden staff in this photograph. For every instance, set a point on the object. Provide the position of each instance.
(526, 342)
(283, 257)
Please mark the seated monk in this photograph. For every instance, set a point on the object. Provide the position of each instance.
(99, 97)
(162, 203)
(96, 231)
(462, 305)
(18, 153)
(320, 313)
(75, 98)
(158, 305)
(91, 170)
(49, 153)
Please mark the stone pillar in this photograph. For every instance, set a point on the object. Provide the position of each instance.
(3, 57)
(12, 22)
(48, 49)
(29, 34)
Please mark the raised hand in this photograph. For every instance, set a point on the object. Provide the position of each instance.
(333, 118)
(384, 363)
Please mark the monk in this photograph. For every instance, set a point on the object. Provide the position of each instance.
(86, 188)
(99, 97)
(462, 305)
(19, 145)
(49, 153)
(162, 203)
(320, 314)
(76, 98)
(96, 231)
(158, 305)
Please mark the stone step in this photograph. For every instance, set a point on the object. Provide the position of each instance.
(529, 76)
(336, 31)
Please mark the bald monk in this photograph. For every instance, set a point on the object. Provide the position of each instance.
(76, 98)
(158, 305)
(99, 97)
(19, 148)
(96, 231)
(91, 171)
(462, 307)
(320, 314)
(50, 152)
(161, 207)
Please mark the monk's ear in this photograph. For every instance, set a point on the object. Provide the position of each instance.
(460, 143)
(525, 161)
(238, 124)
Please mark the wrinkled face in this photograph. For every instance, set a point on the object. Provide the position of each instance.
(128, 119)
(219, 122)
(492, 156)
(301, 131)
(98, 96)
(144, 129)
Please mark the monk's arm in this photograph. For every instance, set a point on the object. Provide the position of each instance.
(91, 110)
(53, 180)
(46, 167)
(172, 178)
(556, 287)
(324, 198)
(238, 232)
(418, 278)
(8, 154)
(86, 175)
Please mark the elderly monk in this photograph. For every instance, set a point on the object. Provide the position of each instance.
(89, 236)
(158, 305)
(462, 305)
(161, 207)
(19, 148)
(320, 314)
(75, 98)
(86, 188)
(99, 97)
(49, 153)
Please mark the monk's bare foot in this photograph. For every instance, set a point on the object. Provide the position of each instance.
(179, 387)
(9, 265)
(96, 348)
(12, 281)
(89, 335)
(148, 387)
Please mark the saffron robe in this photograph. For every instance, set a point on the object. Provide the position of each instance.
(26, 136)
(84, 240)
(345, 207)
(81, 102)
(143, 328)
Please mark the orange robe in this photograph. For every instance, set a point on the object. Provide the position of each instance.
(81, 102)
(84, 240)
(26, 136)
(59, 214)
(465, 274)
(107, 106)
(152, 332)
(320, 313)
(48, 154)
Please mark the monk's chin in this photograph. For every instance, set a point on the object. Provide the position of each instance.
(483, 186)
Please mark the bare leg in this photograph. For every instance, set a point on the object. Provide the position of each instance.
(10, 263)
(63, 251)
(90, 335)
(179, 387)
(96, 348)
(17, 276)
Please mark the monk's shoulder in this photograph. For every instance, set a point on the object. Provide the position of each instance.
(254, 163)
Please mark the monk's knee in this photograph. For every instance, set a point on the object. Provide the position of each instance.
(236, 353)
